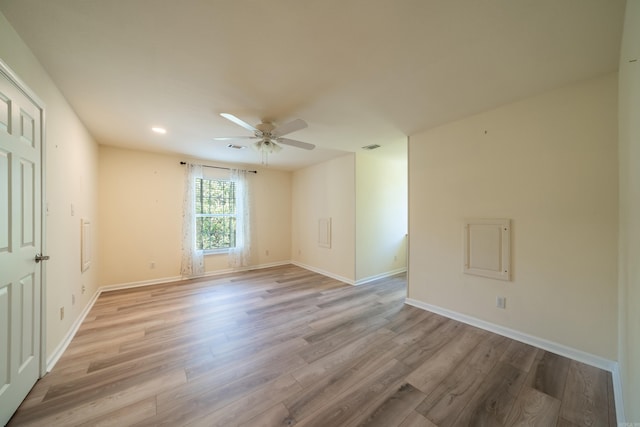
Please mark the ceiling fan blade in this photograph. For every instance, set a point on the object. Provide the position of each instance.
(294, 143)
(231, 138)
(239, 122)
(290, 127)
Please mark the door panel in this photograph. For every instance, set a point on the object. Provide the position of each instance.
(5, 335)
(26, 330)
(27, 190)
(5, 194)
(27, 128)
(5, 113)
(20, 240)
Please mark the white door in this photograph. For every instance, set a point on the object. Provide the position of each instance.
(20, 241)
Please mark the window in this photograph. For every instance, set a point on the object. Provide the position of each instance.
(215, 214)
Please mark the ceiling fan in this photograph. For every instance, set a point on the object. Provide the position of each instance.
(269, 137)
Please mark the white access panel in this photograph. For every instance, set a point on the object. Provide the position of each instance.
(324, 233)
(487, 248)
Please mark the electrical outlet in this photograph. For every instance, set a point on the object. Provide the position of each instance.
(501, 302)
(73, 299)
(266, 252)
(83, 289)
(61, 313)
(73, 210)
(152, 265)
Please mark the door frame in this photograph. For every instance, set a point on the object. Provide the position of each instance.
(26, 91)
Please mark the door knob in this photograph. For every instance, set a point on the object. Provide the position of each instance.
(40, 257)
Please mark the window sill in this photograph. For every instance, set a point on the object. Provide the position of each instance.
(216, 251)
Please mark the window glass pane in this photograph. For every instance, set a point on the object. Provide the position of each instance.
(215, 232)
(215, 197)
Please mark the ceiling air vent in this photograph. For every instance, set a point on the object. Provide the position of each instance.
(371, 147)
(236, 147)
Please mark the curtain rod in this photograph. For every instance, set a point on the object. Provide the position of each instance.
(219, 167)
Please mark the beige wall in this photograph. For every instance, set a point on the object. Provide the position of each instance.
(71, 178)
(549, 163)
(629, 273)
(326, 190)
(141, 217)
(381, 211)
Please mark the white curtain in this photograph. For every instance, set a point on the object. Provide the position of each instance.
(240, 255)
(192, 258)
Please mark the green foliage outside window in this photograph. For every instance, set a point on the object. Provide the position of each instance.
(215, 214)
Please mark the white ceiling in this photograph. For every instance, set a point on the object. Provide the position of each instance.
(358, 71)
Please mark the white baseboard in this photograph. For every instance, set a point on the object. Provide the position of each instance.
(617, 395)
(380, 276)
(349, 281)
(572, 353)
(129, 285)
(324, 273)
(161, 280)
(562, 350)
(59, 350)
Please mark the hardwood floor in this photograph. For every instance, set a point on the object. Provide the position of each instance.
(284, 346)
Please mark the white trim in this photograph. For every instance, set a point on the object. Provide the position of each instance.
(59, 350)
(380, 276)
(324, 273)
(128, 285)
(159, 281)
(572, 353)
(617, 394)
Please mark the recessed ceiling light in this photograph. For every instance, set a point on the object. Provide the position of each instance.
(159, 130)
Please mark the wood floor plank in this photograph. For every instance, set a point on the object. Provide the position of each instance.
(534, 408)
(250, 405)
(276, 416)
(125, 416)
(445, 403)
(72, 414)
(493, 401)
(195, 400)
(434, 370)
(345, 357)
(283, 345)
(549, 374)
(414, 419)
(520, 355)
(335, 381)
(430, 341)
(354, 405)
(585, 400)
(398, 406)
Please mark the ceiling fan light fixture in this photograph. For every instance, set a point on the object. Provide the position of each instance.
(266, 146)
